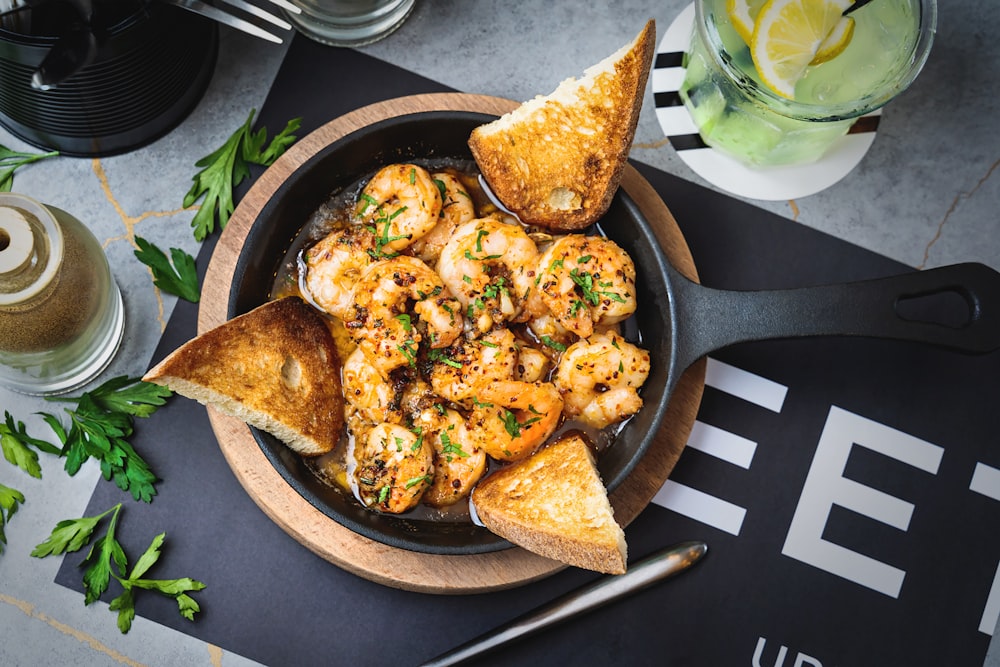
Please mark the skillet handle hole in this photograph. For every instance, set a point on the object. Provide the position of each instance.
(950, 308)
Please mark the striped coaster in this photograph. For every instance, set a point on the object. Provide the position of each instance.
(726, 173)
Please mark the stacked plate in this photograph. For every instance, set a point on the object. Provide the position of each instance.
(153, 62)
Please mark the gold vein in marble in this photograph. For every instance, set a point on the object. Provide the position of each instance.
(961, 196)
(130, 223)
(29, 610)
(795, 209)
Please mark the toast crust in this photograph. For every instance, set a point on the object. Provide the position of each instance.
(275, 367)
(555, 505)
(557, 160)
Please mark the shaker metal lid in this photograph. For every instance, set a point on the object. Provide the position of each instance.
(31, 248)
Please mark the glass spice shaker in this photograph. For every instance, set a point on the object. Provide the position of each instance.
(61, 313)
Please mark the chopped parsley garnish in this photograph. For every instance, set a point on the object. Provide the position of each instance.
(450, 448)
(585, 282)
(410, 483)
(404, 318)
(438, 355)
(479, 239)
(512, 426)
(554, 344)
(409, 350)
(470, 256)
(419, 442)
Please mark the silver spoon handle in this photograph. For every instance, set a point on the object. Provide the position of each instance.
(648, 571)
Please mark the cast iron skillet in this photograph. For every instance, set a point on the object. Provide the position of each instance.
(693, 320)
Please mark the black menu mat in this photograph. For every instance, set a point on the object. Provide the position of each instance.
(847, 488)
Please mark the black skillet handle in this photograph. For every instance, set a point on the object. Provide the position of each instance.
(708, 319)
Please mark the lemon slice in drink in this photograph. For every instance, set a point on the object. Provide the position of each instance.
(787, 36)
(743, 14)
(835, 42)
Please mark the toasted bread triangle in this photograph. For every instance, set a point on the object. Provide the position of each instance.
(555, 505)
(557, 160)
(275, 368)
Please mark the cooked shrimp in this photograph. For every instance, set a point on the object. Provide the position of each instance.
(417, 394)
(458, 462)
(599, 378)
(457, 370)
(379, 319)
(587, 281)
(442, 319)
(457, 208)
(395, 468)
(377, 399)
(489, 266)
(329, 269)
(512, 419)
(401, 203)
(553, 336)
(532, 364)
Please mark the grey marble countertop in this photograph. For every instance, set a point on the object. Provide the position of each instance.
(927, 194)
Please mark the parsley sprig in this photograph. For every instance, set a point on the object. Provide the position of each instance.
(19, 449)
(179, 277)
(10, 160)
(227, 166)
(106, 556)
(99, 427)
(10, 500)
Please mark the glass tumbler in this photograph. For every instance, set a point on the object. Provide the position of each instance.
(349, 22)
(738, 114)
(61, 314)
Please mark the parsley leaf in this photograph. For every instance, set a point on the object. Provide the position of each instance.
(100, 426)
(10, 499)
(124, 604)
(215, 181)
(106, 556)
(124, 394)
(180, 278)
(19, 454)
(70, 535)
(178, 589)
(226, 167)
(10, 160)
(102, 554)
(254, 151)
(16, 443)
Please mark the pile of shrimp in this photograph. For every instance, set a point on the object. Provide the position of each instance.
(474, 339)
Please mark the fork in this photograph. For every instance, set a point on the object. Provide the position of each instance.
(251, 11)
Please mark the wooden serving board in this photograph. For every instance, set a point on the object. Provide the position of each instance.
(367, 558)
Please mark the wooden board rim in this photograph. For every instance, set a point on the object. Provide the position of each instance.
(391, 566)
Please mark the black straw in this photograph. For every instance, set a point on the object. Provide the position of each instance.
(858, 4)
